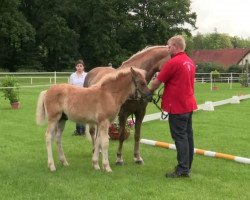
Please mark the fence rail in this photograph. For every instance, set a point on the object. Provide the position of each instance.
(38, 79)
(28, 79)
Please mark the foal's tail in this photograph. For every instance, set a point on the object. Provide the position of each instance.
(40, 109)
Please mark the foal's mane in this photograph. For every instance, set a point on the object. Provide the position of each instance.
(145, 50)
(117, 74)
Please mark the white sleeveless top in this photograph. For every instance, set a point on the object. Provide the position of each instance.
(77, 80)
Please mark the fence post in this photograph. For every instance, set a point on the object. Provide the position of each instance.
(231, 83)
(211, 81)
(55, 77)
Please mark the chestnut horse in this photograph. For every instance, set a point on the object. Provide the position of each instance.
(150, 59)
(98, 104)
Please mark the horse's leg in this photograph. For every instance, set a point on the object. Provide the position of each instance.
(60, 128)
(96, 150)
(138, 122)
(122, 123)
(49, 137)
(92, 131)
(104, 142)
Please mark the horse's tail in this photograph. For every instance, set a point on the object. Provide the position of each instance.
(40, 109)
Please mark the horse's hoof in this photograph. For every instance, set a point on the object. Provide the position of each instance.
(139, 162)
(119, 163)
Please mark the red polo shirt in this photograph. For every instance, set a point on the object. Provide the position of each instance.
(178, 75)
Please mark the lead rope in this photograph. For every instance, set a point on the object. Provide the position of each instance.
(156, 100)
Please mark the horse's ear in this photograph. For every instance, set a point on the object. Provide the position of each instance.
(132, 71)
(133, 74)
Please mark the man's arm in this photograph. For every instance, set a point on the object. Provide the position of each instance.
(154, 85)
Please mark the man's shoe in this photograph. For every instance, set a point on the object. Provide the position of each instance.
(176, 174)
(189, 171)
(82, 133)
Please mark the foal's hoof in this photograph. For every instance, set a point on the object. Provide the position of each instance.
(65, 163)
(52, 168)
(96, 165)
(107, 168)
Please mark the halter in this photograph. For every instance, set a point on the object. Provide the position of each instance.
(139, 91)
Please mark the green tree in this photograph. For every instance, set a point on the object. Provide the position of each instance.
(217, 41)
(238, 42)
(16, 34)
(198, 41)
(51, 34)
(113, 30)
(57, 43)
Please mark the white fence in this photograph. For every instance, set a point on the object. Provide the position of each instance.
(27, 79)
(224, 77)
(37, 79)
(229, 78)
(207, 106)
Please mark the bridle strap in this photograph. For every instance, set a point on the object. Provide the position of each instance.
(156, 100)
(138, 91)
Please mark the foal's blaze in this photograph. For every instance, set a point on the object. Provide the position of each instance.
(97, 105)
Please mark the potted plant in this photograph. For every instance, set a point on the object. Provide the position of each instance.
(243, 79)
(114, 130)
(10, 89)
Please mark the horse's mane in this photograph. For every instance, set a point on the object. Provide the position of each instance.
(117, 74)
(148, 48)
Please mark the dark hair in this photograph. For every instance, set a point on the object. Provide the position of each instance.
(80, 61)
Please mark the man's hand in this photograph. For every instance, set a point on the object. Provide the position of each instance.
(154, 85)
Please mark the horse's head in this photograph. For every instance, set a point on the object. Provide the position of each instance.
(150, 59)
(139, 80)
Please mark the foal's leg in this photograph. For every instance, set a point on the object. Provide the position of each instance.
(138, 122)
(122, 122)
(96, 150)
(60, 128)
(49, 137)
(104, 142)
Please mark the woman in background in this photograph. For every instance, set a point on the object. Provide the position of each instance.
(77, 78)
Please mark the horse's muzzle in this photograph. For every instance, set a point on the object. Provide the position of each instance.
(148, 97)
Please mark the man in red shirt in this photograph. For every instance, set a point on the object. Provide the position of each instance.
(178, 100)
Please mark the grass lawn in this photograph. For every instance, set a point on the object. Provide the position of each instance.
(23, 157)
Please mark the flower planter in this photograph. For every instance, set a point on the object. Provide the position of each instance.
(15, 105)
(10, 89)
(215, 88)
(114, 134)
(114, 130)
